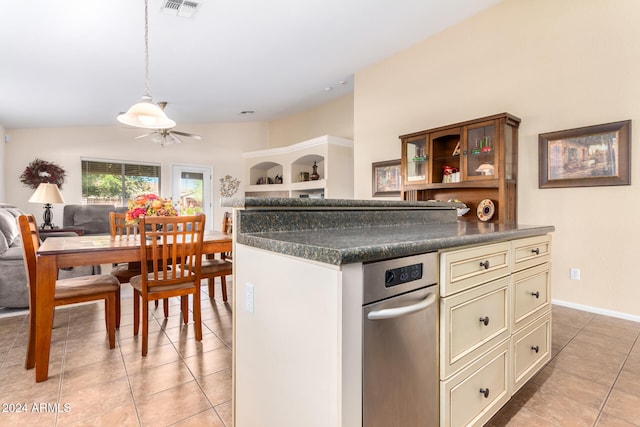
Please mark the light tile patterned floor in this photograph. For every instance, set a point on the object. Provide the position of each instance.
(592, 380)
(180, 382)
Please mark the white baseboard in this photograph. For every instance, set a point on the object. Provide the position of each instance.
(590, 309)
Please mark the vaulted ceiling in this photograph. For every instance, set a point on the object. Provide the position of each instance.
(69, 63)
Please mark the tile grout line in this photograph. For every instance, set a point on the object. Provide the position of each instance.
(126, 371)
(195, 378)
(604, 402)
(13, 344)
(556, 355)
(62, 364)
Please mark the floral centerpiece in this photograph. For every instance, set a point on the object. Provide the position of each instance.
(149, 205)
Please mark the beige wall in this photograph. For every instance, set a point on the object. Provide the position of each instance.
(220, 149)
(556, 65)
(334, 118)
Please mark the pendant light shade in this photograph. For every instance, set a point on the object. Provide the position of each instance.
(146, 114)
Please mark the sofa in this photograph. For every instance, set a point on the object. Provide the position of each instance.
(93, 219)
(14, 292)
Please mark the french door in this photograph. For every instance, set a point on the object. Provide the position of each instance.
(191, 190)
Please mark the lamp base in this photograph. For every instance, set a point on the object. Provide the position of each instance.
(46, 217)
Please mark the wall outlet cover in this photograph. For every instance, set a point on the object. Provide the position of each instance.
(575, 273)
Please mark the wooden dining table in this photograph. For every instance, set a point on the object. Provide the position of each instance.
(61, 252)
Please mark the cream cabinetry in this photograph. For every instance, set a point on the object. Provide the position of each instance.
(478, 391)
(495, 325)
(474, 321)
(288, 171)
(531, 349)
(466, 268)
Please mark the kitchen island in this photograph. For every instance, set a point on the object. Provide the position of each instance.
(298, 297)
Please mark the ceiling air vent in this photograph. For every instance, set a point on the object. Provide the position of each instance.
(184, 8)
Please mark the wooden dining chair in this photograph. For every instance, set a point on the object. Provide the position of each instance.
(223, 267)
(212, 268)
(171, 258)
(67, 291)
(120, 228)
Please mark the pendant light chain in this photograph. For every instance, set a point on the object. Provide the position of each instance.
(146, 114)
(146, 48)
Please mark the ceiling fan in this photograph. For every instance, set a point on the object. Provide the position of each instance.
(167, 136)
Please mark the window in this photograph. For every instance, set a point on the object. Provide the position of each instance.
(115, 182)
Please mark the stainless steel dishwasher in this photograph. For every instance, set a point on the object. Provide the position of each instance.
(400, 342)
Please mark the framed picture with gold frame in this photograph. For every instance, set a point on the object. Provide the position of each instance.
(386, 178)
(586, 157)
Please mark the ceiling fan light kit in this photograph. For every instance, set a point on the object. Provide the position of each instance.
(145, 114)
(166, 136)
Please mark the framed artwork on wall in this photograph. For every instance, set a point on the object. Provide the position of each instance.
(586, 157)
(386, 178)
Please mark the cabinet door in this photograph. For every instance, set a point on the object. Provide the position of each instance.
(481, 151)
(531, 251)
(531, 350)
(475, 394)
(465, 268)
(415, 159)
(471, 323)
(531, 293)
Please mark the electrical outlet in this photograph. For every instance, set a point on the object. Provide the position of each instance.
(575, 273)
(248, 297)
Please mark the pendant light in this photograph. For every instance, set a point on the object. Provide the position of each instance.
(146, 114)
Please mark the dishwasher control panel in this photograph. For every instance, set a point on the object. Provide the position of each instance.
(397, 276)
(390, 277)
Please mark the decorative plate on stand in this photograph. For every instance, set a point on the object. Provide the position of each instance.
(486, 209)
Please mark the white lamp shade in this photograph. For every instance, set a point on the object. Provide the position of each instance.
(146, 114)
(47, 193)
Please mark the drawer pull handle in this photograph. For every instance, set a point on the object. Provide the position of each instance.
(536, 251)
(484, 320)
(536, 294)
(485, 264)
(485, 392)
(535, 348)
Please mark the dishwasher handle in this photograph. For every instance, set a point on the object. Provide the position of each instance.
(390, 313)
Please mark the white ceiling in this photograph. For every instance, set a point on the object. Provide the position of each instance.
(68, 63)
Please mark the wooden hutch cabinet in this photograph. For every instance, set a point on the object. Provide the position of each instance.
(469, 161)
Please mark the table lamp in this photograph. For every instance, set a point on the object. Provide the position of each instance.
(47, 194)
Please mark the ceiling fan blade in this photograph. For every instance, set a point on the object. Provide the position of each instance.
(175, 138)
(190, 135)
(144, 135)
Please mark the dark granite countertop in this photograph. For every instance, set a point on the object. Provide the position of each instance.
(340, 232)
(365, 244)
(265, 203)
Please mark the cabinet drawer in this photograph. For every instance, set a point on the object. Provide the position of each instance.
(531, 251)
(462, 401)
(531, 294)
(472, 322)
(466, 268)
(531, 350)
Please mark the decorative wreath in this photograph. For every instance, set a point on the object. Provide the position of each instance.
(40, 171)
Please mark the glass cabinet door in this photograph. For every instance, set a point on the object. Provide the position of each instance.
(481, 151)
(416, 158)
